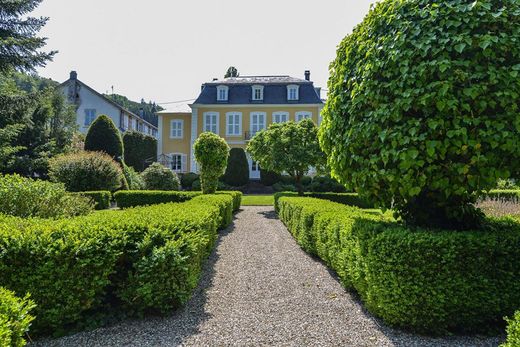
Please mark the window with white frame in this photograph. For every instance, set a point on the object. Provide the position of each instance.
(222, 93)
(233, 123)
(303, 115)
(292, 92)
(176, 128)
(257, 122)
(178, 162)
(258, 93)
(126, 121)
(90, 115)
(280, 117)
(211, 122)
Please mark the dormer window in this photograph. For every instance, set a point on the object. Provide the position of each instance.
(292, 92)
(222, 93)
(258, 93)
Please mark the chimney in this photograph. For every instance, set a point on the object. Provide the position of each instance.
(73, 75)
(307, 75)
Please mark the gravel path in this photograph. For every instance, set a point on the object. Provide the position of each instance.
(258, 289)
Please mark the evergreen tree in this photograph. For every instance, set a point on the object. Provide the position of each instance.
(231, 72)
(19, 45)
(103, 136)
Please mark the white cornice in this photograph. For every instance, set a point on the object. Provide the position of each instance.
(254, 105)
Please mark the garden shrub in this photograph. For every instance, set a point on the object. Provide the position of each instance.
(195, 186)
(427, 280)
(187, 180)
(159, 177)
(268, 178)
(130, 198)
(25, 197)
(211, 153)
(237, 170)
(237, 198)
(133, 178)
(86, 171)
(15, 318)
(281, 187)
(103, 136)
(325, 184)
(101, 199)
(139, 149)
(144, 259)
(351, 199)
(513, 331)
(422, 113)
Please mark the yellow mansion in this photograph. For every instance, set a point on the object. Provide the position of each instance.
(234, 108)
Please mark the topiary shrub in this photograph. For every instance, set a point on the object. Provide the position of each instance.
(237, 170)
(25, 197)
(187, 180)
(86, 171)
(101, 199)
(103, 136)
(513, 331)
(422, 113)
(268, 178)
(139, 149)
(15, 318)
(133, 178)
(211, 153)
(159, 177)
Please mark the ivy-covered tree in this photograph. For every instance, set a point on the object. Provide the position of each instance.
(211, 153)
(288, 147)
(423, 112)
(103, 136)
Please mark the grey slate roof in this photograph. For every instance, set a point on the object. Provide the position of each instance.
(275, 90)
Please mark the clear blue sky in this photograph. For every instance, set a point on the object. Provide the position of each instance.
(164, 50)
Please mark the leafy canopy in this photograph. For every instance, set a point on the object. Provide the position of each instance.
(211, 153)
(288, 147)
(423, 111)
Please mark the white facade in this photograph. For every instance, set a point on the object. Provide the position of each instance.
(91, 104)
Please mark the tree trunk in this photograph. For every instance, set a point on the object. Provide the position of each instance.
(298, 181)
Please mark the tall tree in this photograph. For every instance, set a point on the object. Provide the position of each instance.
(288, 147)
(20, 48)
(231, 72)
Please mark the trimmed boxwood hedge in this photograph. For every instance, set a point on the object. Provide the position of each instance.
(14, 318)
(132, 198)
(100, 198)
(430, 281)
(513, 331)
(351, 199)
(144, 259)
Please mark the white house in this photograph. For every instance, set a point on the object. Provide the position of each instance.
(90, 104)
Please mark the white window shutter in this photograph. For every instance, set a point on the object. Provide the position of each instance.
(184, 158)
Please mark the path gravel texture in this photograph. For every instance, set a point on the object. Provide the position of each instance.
(260, 289)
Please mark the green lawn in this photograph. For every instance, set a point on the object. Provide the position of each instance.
(257, 200)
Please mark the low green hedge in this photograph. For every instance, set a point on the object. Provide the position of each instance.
(237, 198)
(431, 281)
(351, 199)
(100, 198)
(513, 331)
(503, 195)
(14, 318)
(137, 260)
(133, 198)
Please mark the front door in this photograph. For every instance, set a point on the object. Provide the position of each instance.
(254, 169)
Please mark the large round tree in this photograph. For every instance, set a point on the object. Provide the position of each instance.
(423, 108)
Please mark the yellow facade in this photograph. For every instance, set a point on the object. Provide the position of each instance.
(169, 145)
